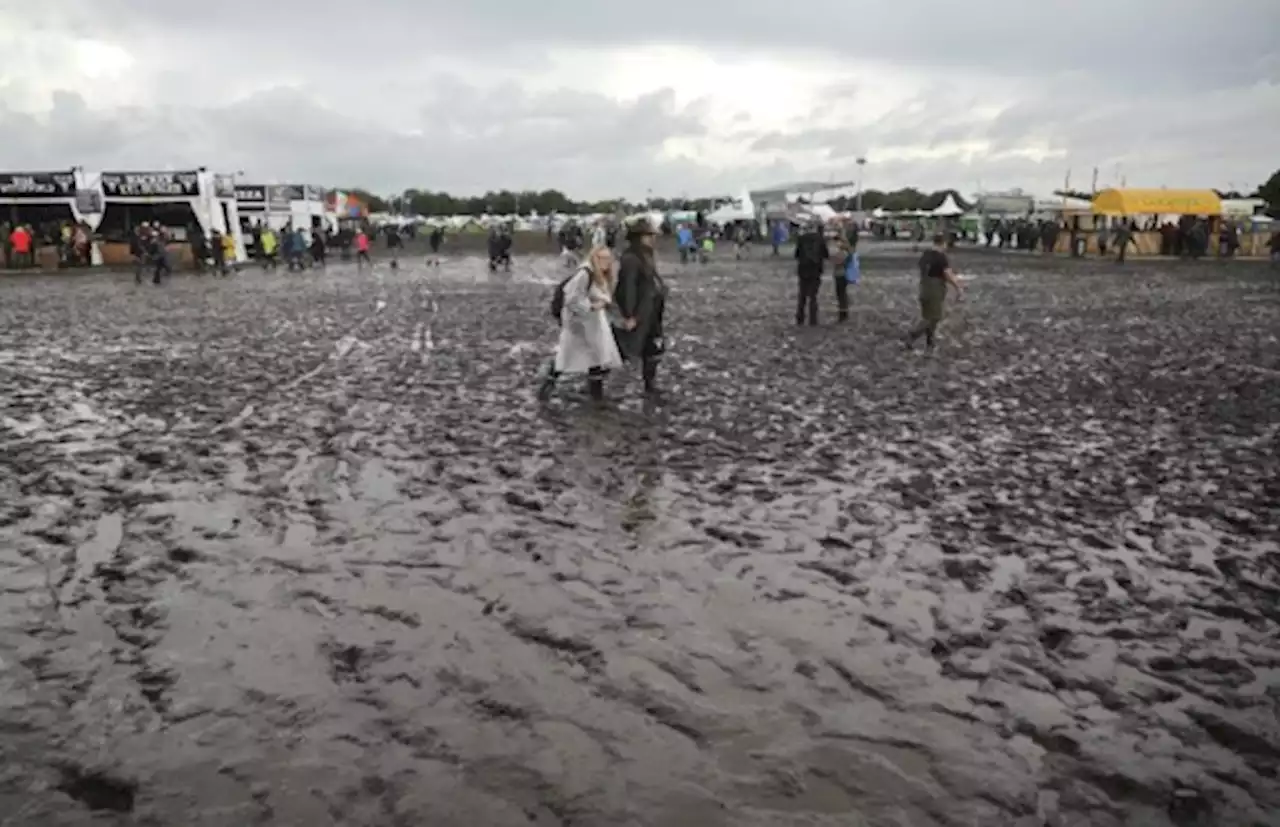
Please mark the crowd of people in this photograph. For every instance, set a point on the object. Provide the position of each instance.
(71, 241)
(607, 321)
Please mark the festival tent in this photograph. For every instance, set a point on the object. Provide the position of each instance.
(169, 198)
(1157, 202)
(729, 213)
(741, 209)
(948, 208)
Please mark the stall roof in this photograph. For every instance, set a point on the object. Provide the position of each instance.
(1157, 202)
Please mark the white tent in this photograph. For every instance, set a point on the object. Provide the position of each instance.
(741, 209)
(728, 213)
(948, 208)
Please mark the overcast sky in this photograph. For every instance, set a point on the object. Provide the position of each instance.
(605, 99)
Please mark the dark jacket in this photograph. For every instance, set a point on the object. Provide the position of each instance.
(641, 294)
(811, 253)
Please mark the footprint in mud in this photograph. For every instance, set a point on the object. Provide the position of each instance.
(349, 663)
(97, 790)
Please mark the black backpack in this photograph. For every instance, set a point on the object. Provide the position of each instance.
(557, 297)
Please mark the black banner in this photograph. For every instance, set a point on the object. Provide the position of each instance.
(250, 193)
(150, 184)
(38, 185)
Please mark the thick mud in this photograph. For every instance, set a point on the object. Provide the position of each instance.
(304, 550)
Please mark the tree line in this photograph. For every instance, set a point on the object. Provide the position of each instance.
(544, 202)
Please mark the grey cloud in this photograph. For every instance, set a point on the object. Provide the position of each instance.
(1104, 82)
(1154, 141)
(1169, 44)
(470, 139)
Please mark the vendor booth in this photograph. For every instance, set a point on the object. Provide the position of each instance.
(282, 205)
(251, 212)
(180, 202)
(1154, 211)
(43, 201)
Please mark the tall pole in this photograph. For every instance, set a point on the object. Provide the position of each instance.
(862, 162)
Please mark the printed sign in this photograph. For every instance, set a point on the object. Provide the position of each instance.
(224, 186)
(88, 201)
(282, 194)
(251, 194)
(151, 184)
(38, 185)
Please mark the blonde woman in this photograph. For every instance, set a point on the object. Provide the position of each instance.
(586, 343)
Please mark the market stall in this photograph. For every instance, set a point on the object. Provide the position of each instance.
(180, 202)
(1154, 209)
(43, 201)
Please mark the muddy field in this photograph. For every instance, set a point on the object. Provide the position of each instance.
(304, 550)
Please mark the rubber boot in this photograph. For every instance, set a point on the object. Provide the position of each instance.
(548, 385)
(650, 374)
(595, 388)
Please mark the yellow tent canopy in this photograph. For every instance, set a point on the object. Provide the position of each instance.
(1157, 202)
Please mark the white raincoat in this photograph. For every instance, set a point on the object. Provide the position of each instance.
(586, 338)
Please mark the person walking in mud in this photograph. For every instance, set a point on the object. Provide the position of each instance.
(936, 276)
(362, 250)
(685, 243)
(640, 298)
(269, 244)
(139, 248)
(500, 249)
(1124, 237)
(587, 344)
(395, 242)
(229, 254)
(778, 237)
(435, 240)
(319, 250)
(848, 272)
(811, 257)
(217, 252)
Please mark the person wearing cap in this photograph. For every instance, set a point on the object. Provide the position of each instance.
(811, 258)
(640, 298)
(935, 276)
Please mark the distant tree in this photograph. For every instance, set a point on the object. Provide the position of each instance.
(1270, 192)
(546, 202)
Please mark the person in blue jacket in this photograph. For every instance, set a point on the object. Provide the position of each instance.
(848, 272)
(685, 241)
(778, 235)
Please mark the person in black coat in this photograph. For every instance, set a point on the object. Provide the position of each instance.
(811, 258)
(640, 298)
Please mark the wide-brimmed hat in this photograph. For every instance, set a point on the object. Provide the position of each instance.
(640, 226)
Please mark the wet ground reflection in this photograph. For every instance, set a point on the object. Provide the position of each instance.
(304, 550)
